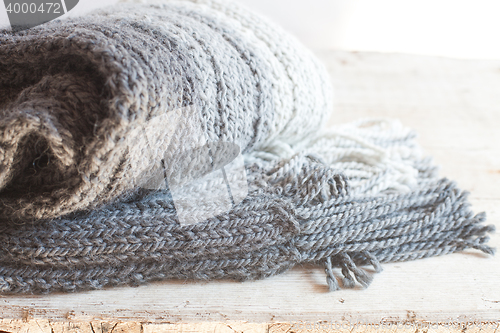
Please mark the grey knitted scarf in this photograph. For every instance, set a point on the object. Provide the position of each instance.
(108, 122)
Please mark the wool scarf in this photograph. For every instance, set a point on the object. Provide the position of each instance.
(186, 139)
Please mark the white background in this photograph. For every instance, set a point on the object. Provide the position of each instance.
(452, 28)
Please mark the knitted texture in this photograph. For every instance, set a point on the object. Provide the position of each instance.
(90, 106)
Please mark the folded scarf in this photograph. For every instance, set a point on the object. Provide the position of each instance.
(185, 139)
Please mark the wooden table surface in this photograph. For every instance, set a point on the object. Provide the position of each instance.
(454, 105)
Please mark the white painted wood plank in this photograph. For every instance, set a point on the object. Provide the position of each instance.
(455, 107)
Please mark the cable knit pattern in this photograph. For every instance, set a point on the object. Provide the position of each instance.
(89, 106)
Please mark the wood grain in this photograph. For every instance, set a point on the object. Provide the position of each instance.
(454, 105)
(409, 326)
